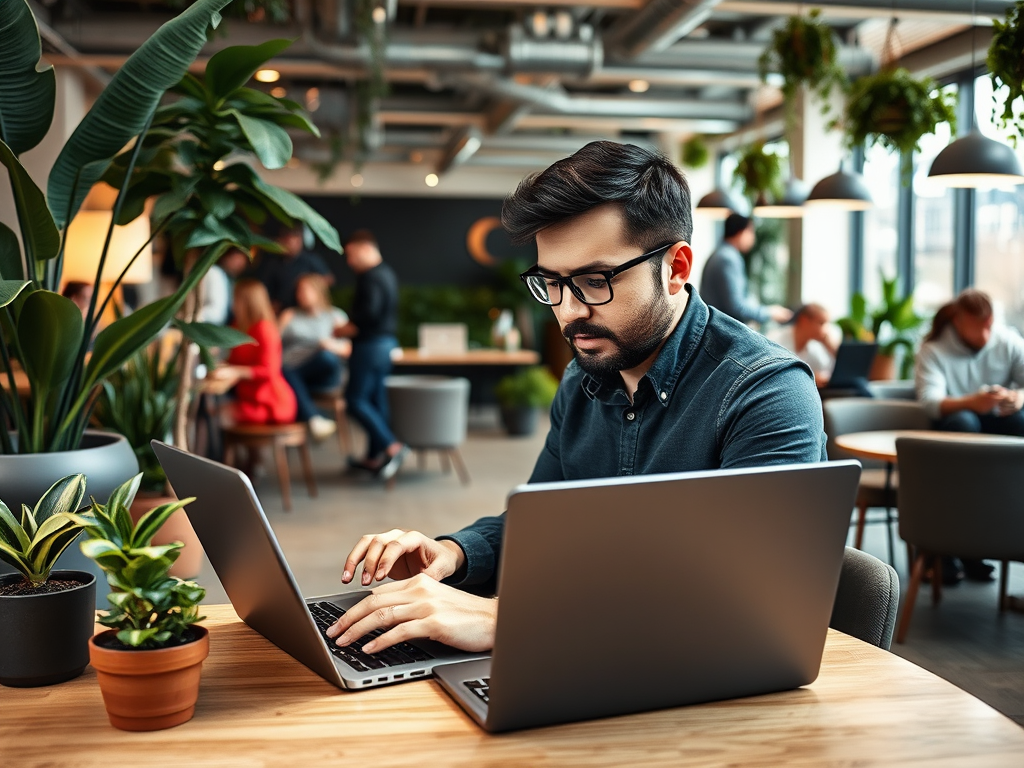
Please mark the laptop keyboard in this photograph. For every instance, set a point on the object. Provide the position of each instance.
(325, 614)
(481, 688)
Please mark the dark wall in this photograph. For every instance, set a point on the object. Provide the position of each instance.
(424, 239)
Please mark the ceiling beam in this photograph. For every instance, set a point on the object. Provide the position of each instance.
(951, 11)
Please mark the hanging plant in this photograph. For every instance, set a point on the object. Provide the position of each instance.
(895, 109)
(694, 153)
(1006, 65)
(804, 53)
(759, 172)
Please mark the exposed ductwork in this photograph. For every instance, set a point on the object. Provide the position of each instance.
(463, 145)
(526, 53)
(657, 25)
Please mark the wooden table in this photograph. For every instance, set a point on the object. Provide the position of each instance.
(411, 356)
(259, 707)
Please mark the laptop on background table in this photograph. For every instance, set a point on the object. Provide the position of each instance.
(853, 364)
(234, 531)
(630, 594)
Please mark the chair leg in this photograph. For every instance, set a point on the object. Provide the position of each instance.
(421, 460)
(460, 465)
(936, 579)
(862, 516)
(344, 429)
(908, 605)
(1004, 574)
(889, 520)
(446, 465)
(307, 469)
(283, 478)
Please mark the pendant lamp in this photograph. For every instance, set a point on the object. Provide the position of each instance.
(718, 204)
(789, 206)
(974, 161)
(841, 191)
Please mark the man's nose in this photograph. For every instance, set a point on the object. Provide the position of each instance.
(571, 308)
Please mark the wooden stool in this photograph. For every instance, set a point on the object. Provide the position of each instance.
(334, 402)
(280, 437)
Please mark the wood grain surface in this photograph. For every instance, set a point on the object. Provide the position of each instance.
(259, 707)
(412, 356)
(880, 445)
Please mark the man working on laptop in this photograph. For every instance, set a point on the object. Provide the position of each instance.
(660, 383)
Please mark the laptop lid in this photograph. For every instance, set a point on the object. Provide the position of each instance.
(853, 363)
(630, 594)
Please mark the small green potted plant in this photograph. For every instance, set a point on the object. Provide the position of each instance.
(149, 662)
(521, 396)
(46, 616)
(892, 324)
(1006, 66)
(694, 153)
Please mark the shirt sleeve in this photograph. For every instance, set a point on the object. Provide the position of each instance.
(929, 380)
(1016, 355)
(268, 346)
(732, 287)
(774, 418)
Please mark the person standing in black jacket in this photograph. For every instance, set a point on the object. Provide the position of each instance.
(372, 326)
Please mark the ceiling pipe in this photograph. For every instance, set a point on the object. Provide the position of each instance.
(872, 8)
(463, 144)
(657, 25)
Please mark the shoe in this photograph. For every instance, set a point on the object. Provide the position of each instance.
(978, 570)
(952, 571)
(321, 428)
(390, 467)
(364, 464)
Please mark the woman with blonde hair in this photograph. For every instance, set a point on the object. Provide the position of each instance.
(313, 357)
(262, 394)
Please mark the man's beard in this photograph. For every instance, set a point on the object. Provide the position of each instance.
(634, 343)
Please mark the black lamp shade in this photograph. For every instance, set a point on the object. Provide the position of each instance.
(719, 204)
(843, 191)
(976, 161)
(789, 206)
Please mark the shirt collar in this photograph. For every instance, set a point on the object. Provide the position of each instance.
(668, 366)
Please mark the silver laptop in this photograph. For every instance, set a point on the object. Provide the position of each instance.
(631, 594)
(244, 552)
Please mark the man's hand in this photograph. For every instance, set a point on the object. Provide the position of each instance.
(985, 400)
(420, 608)
(1010, 401)
(779, 313)
(402, 555)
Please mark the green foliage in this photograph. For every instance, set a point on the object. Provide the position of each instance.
(1006, 65)
(149, 607)
(892, 324)
(274, 11)
(694, 153)
(804, 53)
(534, 387)
(32, 544)
(759, 171)
(895, 109)
(44, 331)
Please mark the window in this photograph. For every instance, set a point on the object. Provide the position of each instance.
(881, 223)
(999, 227)
(933, 227)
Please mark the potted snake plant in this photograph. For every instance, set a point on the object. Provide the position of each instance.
(522, 395)
(46, 616)
(149, 661)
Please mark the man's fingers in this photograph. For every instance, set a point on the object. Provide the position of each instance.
(400, 633)
(355, 557)
(403, 545)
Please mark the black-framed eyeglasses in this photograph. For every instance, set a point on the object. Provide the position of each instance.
(593, 288)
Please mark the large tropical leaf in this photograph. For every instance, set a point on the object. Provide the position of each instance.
(9, 290)
(50, 332)
(27, 95)
(42, 240)
(231, 68)
(211, 335)
(297, 208)
(270, 142)
(121, 111)
(11, 267)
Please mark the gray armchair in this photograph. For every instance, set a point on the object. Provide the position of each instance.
(430, 413)
(959, 497)
(867, 599)
(859, 414)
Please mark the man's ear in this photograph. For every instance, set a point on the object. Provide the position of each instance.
(680, 261)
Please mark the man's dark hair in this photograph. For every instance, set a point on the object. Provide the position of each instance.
(654, 196)
(362, 236)
(735, 224)
(277, 230)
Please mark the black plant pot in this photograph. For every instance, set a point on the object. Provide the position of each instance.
(520, 419)
(44, 638)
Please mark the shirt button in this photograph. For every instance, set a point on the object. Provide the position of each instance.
(664, 395)
(630, 415)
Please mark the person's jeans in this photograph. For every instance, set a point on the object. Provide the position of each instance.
(969, 421)
(320, 373)
(366, 395)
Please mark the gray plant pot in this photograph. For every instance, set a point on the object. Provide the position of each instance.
(520, 419)
(106, 459)
(45, 637)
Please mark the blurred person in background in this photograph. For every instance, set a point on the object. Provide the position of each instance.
(809, 336)
(218, 287)
(313, 359)
(281, 272)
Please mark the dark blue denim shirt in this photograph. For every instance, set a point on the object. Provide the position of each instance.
(718, 395)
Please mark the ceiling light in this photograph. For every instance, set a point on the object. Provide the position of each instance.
(718, 204)
(431, 179)
(268, 75)
(379, 14)
(976, 161)
(540, 24)
(639, 86)
(789, 206)
(841, 191)
(278, 92)
(357, 180)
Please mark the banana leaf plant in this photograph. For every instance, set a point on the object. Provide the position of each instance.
(45, 332)
(892, 324)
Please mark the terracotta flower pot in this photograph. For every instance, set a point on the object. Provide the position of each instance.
(177, 528)
(149, 690)
(883, 368)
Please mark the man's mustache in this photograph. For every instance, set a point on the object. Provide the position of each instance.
(584, 328)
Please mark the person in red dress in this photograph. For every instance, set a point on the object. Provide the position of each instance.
(262, 396)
